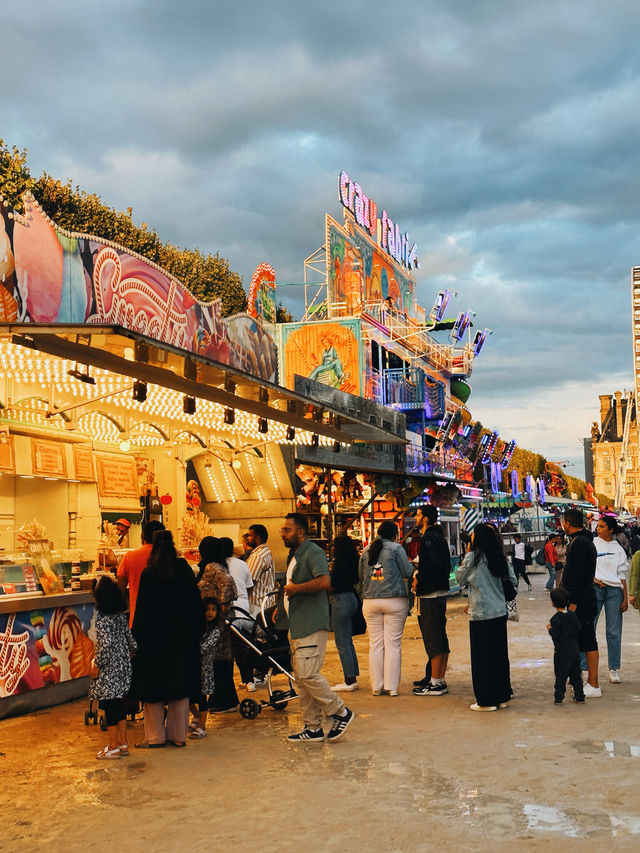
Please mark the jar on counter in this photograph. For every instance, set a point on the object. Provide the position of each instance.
(76, 571)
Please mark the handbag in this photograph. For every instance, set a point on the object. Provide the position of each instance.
(510, 593)
(512, 611)
(358, 622)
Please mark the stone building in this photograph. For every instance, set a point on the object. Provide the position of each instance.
(606, 447)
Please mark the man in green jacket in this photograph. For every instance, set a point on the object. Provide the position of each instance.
(306, 604)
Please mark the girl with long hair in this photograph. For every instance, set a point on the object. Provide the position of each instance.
(483, 570)
(215, 581)
(384, 572)
(111, 667)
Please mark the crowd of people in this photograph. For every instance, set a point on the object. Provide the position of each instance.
(176, 651)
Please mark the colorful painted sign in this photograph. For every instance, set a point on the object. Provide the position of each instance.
(49, 275)
(262, 294)
(326, 352)
(386, 232)
(358, 274)
(42, 647)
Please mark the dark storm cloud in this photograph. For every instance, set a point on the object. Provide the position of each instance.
(503, 136)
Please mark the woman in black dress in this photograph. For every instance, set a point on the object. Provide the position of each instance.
(168, 625)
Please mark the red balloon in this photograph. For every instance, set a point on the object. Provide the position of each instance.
(165, 500)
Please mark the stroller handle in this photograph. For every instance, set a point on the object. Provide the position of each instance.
(234, 611)
(264, 601)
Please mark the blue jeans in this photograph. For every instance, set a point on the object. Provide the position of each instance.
(611, 598)
(552, 577)
(342, 612)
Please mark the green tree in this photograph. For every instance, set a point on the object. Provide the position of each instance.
(283, 315)
(14, 175)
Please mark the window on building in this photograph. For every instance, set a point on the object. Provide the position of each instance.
(607, 485)
(606, 463)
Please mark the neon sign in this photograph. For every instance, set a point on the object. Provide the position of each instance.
(384, 230)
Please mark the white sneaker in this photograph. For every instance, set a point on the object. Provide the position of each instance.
(614, 676)
(343, 687)
(591, 692)
(476, 707)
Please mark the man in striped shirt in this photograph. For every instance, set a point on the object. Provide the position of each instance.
(260, 562)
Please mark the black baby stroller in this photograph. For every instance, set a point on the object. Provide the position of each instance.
(269, 653)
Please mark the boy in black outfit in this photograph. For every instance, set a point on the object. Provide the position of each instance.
(564, 628)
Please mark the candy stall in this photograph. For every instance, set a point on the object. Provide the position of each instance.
(123, 398)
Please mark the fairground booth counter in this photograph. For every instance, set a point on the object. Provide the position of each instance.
(123, 398)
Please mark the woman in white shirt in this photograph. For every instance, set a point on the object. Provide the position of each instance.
(610, 584)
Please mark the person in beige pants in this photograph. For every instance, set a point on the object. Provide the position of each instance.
(305, 605)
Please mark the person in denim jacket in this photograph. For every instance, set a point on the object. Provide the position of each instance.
(384, 571)
(483, 570)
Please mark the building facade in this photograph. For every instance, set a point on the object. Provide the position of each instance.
(616, 472)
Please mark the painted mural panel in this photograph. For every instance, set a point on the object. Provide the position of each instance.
(45, 646)
(49, 275)
(262, 294)
(358, 272)
(326, 352)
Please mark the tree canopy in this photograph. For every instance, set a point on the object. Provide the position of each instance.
(207, 276)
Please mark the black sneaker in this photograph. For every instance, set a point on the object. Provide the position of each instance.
(559, 701)
(431, 689)
(422, 683)
(307, 736)
(580, 701)
(339, 726)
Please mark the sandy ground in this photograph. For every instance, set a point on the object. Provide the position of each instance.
(411, 774)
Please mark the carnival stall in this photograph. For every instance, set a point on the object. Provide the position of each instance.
(123, 398)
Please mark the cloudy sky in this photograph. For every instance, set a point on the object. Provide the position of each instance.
(502, 135)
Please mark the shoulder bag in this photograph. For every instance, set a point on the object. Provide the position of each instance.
(510, 594)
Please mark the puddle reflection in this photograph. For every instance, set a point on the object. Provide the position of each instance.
(549, 819)
(611, 748)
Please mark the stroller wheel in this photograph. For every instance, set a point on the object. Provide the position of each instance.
(277, 702)
(103, 724)
(87, 717)
(249, 709)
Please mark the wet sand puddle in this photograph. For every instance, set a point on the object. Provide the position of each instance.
(611, 748)
(416, 789)
(114, 785)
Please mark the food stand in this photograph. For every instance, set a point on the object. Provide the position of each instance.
(122, 395)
